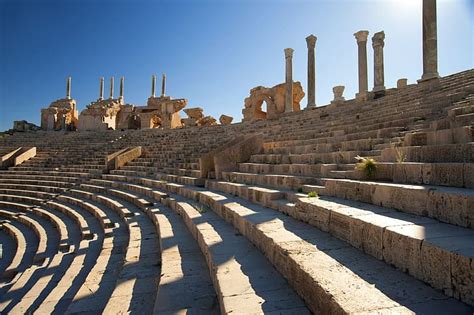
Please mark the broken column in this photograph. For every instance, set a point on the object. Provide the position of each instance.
(153, 85)
(377, 44)
(311, 43)
(163, 85)
(289, 80)
(361, 37)
(430, 41)
(68, 88)
(122, 79)
(338, 91)
(101, 89)
(111, 96)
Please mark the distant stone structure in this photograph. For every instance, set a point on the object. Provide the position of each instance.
(60, 114)
(161, 112)
(274, 97)
(101, 114)
(23, 125)
(226, 120)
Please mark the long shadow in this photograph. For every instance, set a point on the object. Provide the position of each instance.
(9, 248)
(398, 286)
(264, 279)
(195, 280)
(32, 242)
(98, 300)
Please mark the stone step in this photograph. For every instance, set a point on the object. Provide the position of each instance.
(313, 170)
(436, 253)
(271, 180)
(446, 204)
(332, 263)
(240, 272)
(183, 268)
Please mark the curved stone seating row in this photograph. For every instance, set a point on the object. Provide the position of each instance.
(20, 259)
(247, 276)
(260, 226)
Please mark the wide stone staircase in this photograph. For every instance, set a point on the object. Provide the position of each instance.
(293, 229)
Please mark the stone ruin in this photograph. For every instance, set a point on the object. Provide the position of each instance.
(274, 98)
(254, 218)
(162, 111)
(197, 118)
(61, 114)
(101, 114)
(23, 125)
(226, 120)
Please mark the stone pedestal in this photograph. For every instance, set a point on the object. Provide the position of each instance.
(361, 37)
(289, 80)
(430, 41)
(338, 91)
(378, 44)
(401, 83)
(311, 43)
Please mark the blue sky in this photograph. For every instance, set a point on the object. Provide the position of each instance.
(213, 52)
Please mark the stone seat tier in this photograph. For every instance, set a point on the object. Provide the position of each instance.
(239, 271)
(273, 199)
(9, 248)
(27, 243)
(38, 226)
(330, 259)
(271, 180)
(447, 204)
(140, 269)
(229, 292)
(183, 268)
(313, 158)
(48, 173)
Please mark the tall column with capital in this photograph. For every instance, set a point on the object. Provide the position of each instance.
(122, 79)
(153, 85)
(311, 43)
(361, 37)
(430, 41)
(68, 88)
(101, 88)
(289, 80)
(377, 44)
(111, 96)
(163, 85)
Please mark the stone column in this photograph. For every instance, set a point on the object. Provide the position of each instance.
(101, 88)
(430, 41)
(361, 37)
(122, 79)
(377, 44)
(111, 96)
(153, 85)
(311, 43)
(289, 80)
(68, 88)
(163, 85)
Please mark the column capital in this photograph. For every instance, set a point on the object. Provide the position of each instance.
(361, 36)
(311, 41)
(378, 39)
(289, 52)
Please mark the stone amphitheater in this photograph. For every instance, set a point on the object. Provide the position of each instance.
(364, 206)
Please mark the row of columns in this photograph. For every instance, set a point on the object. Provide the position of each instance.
(153, 85)
(111, 95)
(430, 59)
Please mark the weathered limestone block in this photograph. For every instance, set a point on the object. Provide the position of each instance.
(401, 83)
(207, 121)
(194, 113)
(127, 117)
(161, 112)
(444, 174)
(99, 115)
(274, 98)
(226, 120)
(462, 271)
(23, 125)
(60, 115)
(338, 91)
